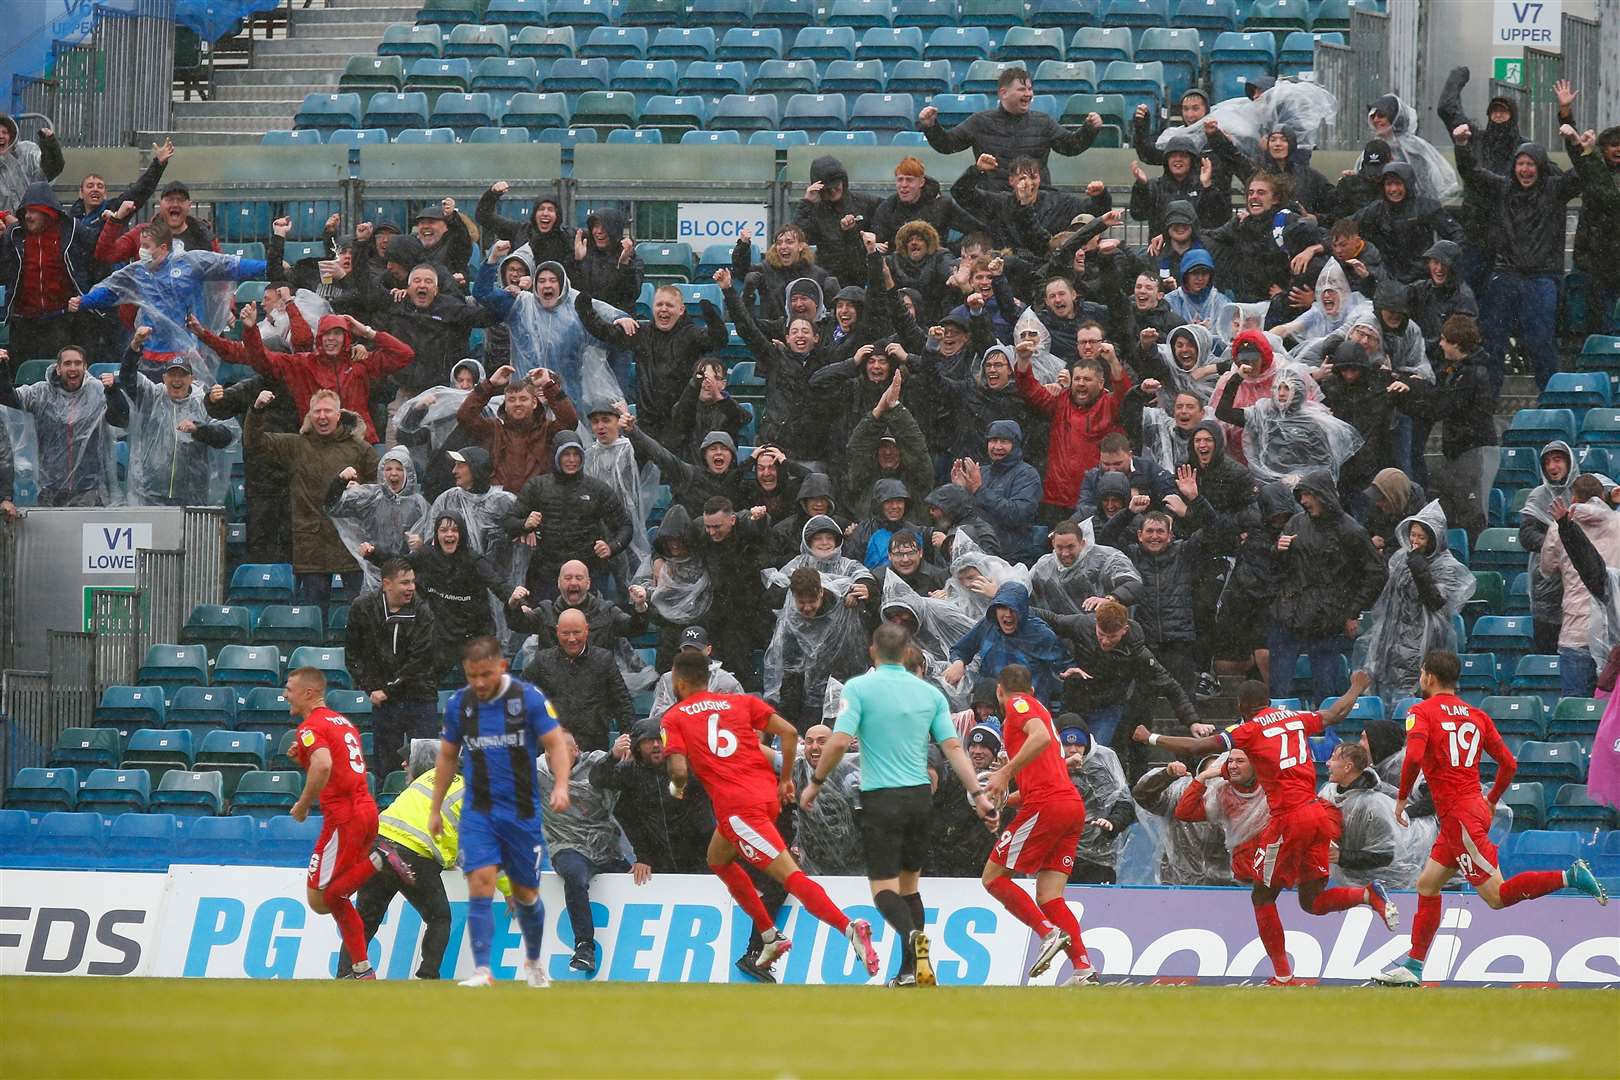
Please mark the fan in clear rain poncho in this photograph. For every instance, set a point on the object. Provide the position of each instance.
(820, 635)
(1187, 851)
(1258, 362)
(1186, 366)
(1427, 587)
(1334, 307)
(610, 458)
(1396, 122)
(427, 422)
(546, 331)
(935, 624)
(976, 576)
(1300, 108)
(1287, 434)
(166, 285)
(675, 579)
(1046, 365)
(821, 548)
(288, 323)
(1371, 845)
(374, 520)
(1097, 775)
(482, 506)
(1079, 570)
(827, 835)
(172, 439)
(60, 428)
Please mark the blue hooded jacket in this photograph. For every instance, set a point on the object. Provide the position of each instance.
(1010, 496)
(1032, 644)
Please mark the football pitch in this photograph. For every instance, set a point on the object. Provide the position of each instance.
(211, 1028)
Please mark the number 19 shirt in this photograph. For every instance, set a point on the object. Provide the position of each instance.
(1444, 736)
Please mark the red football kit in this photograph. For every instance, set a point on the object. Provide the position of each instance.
(1445, 737)
(1051, 813)
(348, 812)
(1294, 846)
(719, 736)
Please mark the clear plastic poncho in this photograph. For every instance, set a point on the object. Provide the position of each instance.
(1239, 814)
(636, 486)
(199, 283)
(1236, 318)
(1186, 852)
(1436, 176)
(1401, 629)
(1045, 365)
(554, 338)
(377, 515)
(940, 624)
(168, 466)
(1095, 572)
(834, 565)
(275, 327)
(1180, 380)
(1301, 107)
(680, 592)
(1101, 783)
(1335, 305)
(1287, 435)
(486, 537)
(970, 568)
(829, 644)
(62, 438)
(828, 835)
(1368, 831)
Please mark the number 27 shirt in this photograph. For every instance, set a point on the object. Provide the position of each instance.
(1279, 747)
(719, 736)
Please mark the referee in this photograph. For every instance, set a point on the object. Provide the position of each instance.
(894, 714)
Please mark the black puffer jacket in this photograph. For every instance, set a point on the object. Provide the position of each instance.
(1433, 304)
(1128, 670)
(1403, 231)
(1164, 609)
(551, 245)
(668, 834)
(458, 588)
(1331, 572)
(1462, 400)
(575, 512)
(839, 251)
(396, 652)
(939, 210)
(789, 532)
(971, 407)
(1365, 405)
(765, 284)
(792, 416)
(1151, 199)
(599, 273)
(1224, 483)
(586, 690)
(1595, 249)
(1008, 137)
(692, 485)
(1527, 224)
(609, 624)
(1257, 571)
(438, 334)
(664, 358)
(1248, 260)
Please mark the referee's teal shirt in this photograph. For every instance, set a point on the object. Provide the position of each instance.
(894, 714)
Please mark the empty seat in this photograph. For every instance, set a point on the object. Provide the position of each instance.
(615, 43)
(883, 112)
(576, 76)
(463, 112)
(646, 76)
(715, 138)
(174, 666)
(667, 261)
(248, 665)
(290, 138)
(1574, 808)
(449, 12)
(411, 42)
(1031, 44)
(372, 73)
(652, 12)
(231, 754)
(723, 15)
(824, 44)
(1537, 427)
(1238, 59)
(202, 708)
(1179, 50)
(1499, 550)
(789, 16)
(581, 14)
(115, 791)
(926, 14)
(1537, 674)
(476, 42)
(890, 43)
(779, 140)
(43, 790)
(157, 752)
(924, 77)
(328, 112)
(1599, 352)
(1139, 83)
(815, 113)
(536, 111)
(330, 661)
(1552, 762)
(1278, 15)
(285, 842)
(957, 43)
(141, 841)
(853, 77)
(726, 77)
(752, 112)
(218, 841)
(263, 793)
(69, 841)
(1299, 52)
(1575, 718)
(1065, 77)
(750, 44)
(683, 43)
(861, 14)
(544, 42)
(492, 135)
(1102, 44)
(1331, 15)
(1136, 14)
(690, 111)
(453, 74)
(605, 109)
(394, 113)
(85, 748)
(215, 625)
(130, 707)
(1479, 672)
(189, 794)
(1529, 805)
(516, 13)
(1601, 427)
(785, 77)
(506, 74)
(567, 138)
(995, 14)
(1550, 849)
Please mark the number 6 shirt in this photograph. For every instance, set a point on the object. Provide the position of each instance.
(1445, 736)
(1279, 747)
(719, 736)
(346, 788)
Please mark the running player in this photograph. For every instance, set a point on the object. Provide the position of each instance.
(327, 746)
(1042, 839)
(1444, 737)
(496, 726)
(1294, 847)
(895, 715)
(717, 738)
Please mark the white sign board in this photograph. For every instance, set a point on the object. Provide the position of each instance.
(707, 223)
(109, 548)
(1518, 23)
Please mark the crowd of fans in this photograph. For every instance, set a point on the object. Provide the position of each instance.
(985, 417)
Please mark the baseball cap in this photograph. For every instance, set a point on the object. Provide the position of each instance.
(1180, 212)
(432, 213)
(178, 363)
(958, 321)
(888, 440)
(1248, 350)
(175, 187)
(455, 456)
(694, 637)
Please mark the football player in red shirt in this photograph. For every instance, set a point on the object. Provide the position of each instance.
(327, 746)
(1294, 846)
(716, 737)
(1444, 737)
(1042, 838)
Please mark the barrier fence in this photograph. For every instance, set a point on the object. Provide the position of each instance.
(103, 90)
(25, 707)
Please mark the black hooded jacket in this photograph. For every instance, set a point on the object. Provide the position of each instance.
(1224, 483)
(1498, 143)
(457, 588)
(939, 210)
(1595, 249)
(1127, 671)
(1462, 400)
(1403, 231)
(670, 835)
(839, 251)
(1365, 404)
(396, 652)
(1257, 572)
(1331, 571)
(576, 511)
(1527, 224)
(664, 358)
(553, 245)
(599, 273)
(792, 415)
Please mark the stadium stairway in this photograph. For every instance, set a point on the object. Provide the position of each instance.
(249, 101)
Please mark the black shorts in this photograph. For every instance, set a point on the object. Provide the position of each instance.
(895, 825)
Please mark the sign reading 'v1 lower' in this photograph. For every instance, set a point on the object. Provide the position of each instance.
(110, 548)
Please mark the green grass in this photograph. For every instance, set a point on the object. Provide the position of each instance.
(175, 1028)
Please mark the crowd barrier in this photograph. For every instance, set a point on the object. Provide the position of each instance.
(251, 922)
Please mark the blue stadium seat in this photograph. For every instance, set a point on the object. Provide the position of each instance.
(355, 705)
(1102, 44)
(751, 45)
(488, 135)
(265, 793)
(651, 12)
(328, 112)
(43, 790)
(924, 77)
(544, 42)
(536, 111)
(1278, 15)
(695, 292)
(129, 707)
(248, 665)
(1111, 107)
(358, 137)
(994, 14)
(1236, 59)
(448, 12)
(158, 752)
(1299, 51)
(1210, 18)
(838, 138)
(1479, 672)
(218, 841)
(779, 140)
(1137, 15)
(723, 15)
(1550, 849)
(575, 76)
(672, 262)
(823, 44)
(683, 43)
(1519, 467)
(861, 14)
(412, 42)
(1065, 77)
(1575, 808)
(329, 660)
(883, 112)
(984, 76)
(189, 794)
(1031, 44)
(675, 112)
(287, 627)
(1138, 83)
(437, 75)
(890, 43)
(615, 43)
(604, 109)
(285, 842)
(752, 112)
(955, 108)
(69, 841)
(1367, 707)
(1331, 15)
(1529, 805)
(506, 75)
(567, 138)
(1405, 705)
(232, 754)
(200, 709)
(785, 77)
(926, 14)
(788, 16)
(369, 73)
(516, 13)
(1601, 427)
(142, 841)
(1577, 719)
(1537, 427)
(1509, 636)
(581, 14)
(1600, 352)
(1537, 674)
(725, 77)
(853, 77)
(715, 138)
(1593, 459)
(115, 791)
(476, 42)
(307, 137)
(85, 748)
(1552, 762)
(957, 43)
(1065, 15)
(1181, 53)
(636, 136)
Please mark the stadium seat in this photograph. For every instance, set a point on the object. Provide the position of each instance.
(412, 42)
(725, 77)
(925, 77)
(1236, 59)
(189, 794)
(1537, 427)
(605, 109)
(1111, 107)
(615, 43)
(263, 793)
(1031, 44)
(684, 113)
(285, 842)
(567, 138)
(1529, 805)
(1576, 718)
(449, 12)
(753, 45)
(752, 112)
(218, 841)
(129, 707)
(883, 112)
(1274, 15)
(115, 791)
(823, 44)
(1552, 762)
(308, 137)
(1367, 707)
(158, 752)
(671, 262)
(1405, 705)
(581, 14)
(788, 16)
(174, 666)
(1065, 77)
(984, 76)
(1600, 352)
(651, 12)
(955, 108)
(1539, 849)
(372, 73)
(1136, 15)
(16, 837)
(432, 77)
(43, 790)
(926, 14)
(1479, 672)
(200, 709)
(853, 77)
(1298, 53)
(84, 748)
(576, 76)
(785, 77)
(890, 43)
(359, 137)
(328, 112)
(1508, 636)
(1593, 459)
(1574, 808)
(777, 140)
(683, 43)
(1102, 44)
(536, 111)
(1537, 674)
(838, 138)
(475, 42)
(262, 583)
(544, 42)
(64, 841)
(505, 75)
(1498, 550)
(141, 841)
(232, 754)
(1331, 15)
(723, 15)
(330, 661)
(1138, 83)
(248, 665)
(1601, 427)
(515, 13)
(993, 14)
(957, 43)
(1518, 466)
(1490, 590)
(487, 135)
(1517, 600)
(1179, 50)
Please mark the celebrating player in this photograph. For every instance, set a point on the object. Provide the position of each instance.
(1444, 737)
(1042, 839)
(328, 747)
(497, 724)
(1294, 847)
(716, 737)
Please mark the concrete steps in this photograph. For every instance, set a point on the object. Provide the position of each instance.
(294, 92)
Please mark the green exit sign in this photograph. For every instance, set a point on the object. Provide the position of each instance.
(1510, 69)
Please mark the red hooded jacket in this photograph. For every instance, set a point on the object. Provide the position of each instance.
(1076, 431)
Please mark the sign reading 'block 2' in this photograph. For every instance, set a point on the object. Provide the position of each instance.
(110, 548)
